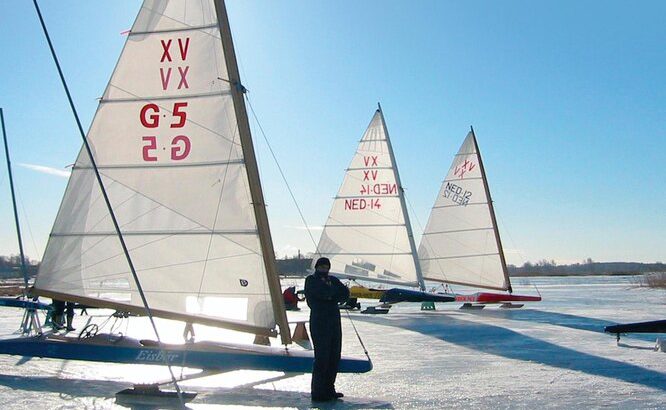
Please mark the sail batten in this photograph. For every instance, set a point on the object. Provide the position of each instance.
(367, 235)
(119, 100)
(175, 30)
(459, 230)
(145, 166)
(460, 256)
(167, 135)
(460, 243)
(135, 233)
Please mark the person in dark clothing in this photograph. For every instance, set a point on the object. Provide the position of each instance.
(59, 308)
(323, 293)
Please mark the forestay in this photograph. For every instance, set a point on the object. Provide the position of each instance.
(166, 141)
(367, 235)
(460, 244)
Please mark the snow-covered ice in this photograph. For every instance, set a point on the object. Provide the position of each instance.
(551, 354)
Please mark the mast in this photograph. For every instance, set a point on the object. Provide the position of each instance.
(263, 229)
(16, 218)
(492, 212)
(401, 195)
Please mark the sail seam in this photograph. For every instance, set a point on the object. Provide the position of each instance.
(366, 169)
(172, 292)
(366, 196)
(172, 233)
(461, 256)
(367, 253)
(173, 30)
(363, 226)
(458, 230)
(141, 166)
(165, 97)
(461, 178)
(450, 206)
(113, 275)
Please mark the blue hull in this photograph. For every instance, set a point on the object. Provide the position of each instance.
(201, 355)
(22, 303)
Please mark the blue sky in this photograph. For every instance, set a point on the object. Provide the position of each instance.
(566, 98)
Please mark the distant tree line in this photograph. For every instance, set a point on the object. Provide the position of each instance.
(299, 265)
(587, 267)
(10, 267)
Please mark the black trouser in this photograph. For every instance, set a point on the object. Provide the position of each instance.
(59, 309)
(327, 340)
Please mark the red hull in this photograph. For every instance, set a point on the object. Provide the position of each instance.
(486, 297)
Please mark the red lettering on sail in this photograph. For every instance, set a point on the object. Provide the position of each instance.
(152, 120)
(165, 78)
(151, 146)
(182, 115)
(180, 147)
(360, 204)
(368, 174)
(460, 170)
(165, 50)
(379, 189)
(183, 48)
(183, 77)
(370, 160)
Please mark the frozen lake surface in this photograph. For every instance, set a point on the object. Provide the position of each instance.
(551, 354)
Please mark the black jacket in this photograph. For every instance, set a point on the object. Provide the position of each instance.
(323, 293)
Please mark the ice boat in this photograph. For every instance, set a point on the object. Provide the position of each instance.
(164, 213)
(655, 326)
(461, 243)
(368, 236)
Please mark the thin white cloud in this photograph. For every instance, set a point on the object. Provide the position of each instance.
(62, 173)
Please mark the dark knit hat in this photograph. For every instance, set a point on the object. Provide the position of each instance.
(322, 261)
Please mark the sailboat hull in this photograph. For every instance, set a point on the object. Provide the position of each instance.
(22, 303)
(202, 355)
(488, 297)
(656, 326)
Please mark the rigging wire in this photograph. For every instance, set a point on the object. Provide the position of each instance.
(300, 212)
(520, 253)
(108, 203)
(284, 178)
(27, 221)
(365, 350)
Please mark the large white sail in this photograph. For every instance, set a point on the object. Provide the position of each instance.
(166, 141)
(367, 233)
(460, 243)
